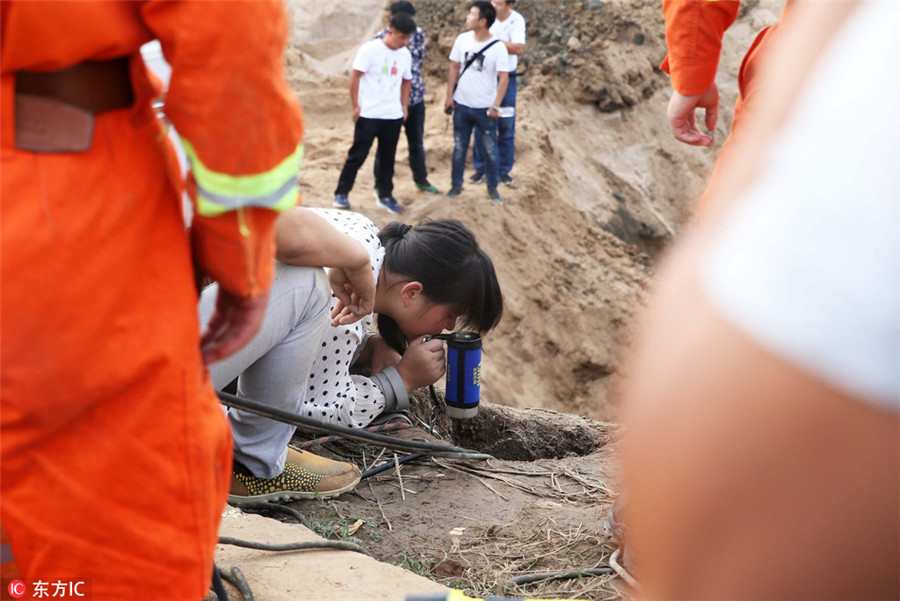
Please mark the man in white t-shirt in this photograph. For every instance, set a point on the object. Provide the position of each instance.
(509, 27)
(476, 83)
(379, 91)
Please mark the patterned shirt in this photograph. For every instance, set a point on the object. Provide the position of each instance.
(332, 394)
(417, 50)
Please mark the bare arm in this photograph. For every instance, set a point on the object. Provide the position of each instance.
(303, 238)
(354, 92)
(404, 96)
(502, 84)
(735, 454)
(452, 77)
(516, 49)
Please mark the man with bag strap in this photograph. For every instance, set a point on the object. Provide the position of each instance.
(509, 28)
(476, 83)
(116, 455)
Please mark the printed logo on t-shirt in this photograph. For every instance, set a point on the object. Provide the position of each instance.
(478, 65)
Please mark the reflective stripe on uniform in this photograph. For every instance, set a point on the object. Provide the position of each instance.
(218, 193)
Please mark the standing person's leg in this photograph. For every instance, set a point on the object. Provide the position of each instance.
(478, 157)
(506, 131)
(363, 136)
(744, 106)
(488, 129)
(274, 366)
(462, 131)
(388, 133)
(415, 134)
(376, 167)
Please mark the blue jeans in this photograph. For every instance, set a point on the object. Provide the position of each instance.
(465, 119)
(414, 126)
(506, 137)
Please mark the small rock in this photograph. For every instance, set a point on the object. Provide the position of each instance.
(638, 39)
(574, 43)
(595, 4)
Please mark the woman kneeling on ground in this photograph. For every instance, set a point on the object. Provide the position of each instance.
(419, 280)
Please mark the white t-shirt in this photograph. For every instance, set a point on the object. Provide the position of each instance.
(510, 30)
(808, 261)
(477, 87)
(383, 72)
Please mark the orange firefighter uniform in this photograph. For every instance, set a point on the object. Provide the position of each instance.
(116, 455)
(694, 30)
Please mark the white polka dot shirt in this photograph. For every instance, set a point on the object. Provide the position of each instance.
(334, 395)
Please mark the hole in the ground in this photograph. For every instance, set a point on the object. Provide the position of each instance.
(519, 434)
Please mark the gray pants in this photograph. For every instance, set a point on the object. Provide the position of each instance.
(274, 366)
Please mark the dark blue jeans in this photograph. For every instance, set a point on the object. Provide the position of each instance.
(506, 136)
(415, 132)
(465, 119)
(388, 132)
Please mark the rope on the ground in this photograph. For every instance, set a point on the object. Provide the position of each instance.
(266, 506)
(218, 587)
(301, 546)
(235, 577)
(622, 572)
(413, 446)
(560, 575)
(334, 437)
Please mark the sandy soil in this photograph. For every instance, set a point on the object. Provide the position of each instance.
(601, 188)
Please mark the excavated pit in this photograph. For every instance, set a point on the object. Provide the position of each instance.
(518, 434)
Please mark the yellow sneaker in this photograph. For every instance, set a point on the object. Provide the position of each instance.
(305, 476)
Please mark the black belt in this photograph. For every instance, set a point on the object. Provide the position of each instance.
(93, 86)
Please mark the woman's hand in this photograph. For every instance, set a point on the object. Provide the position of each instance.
(355, 291)
(423, 363)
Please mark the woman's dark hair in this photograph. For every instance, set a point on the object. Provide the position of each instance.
(444, 256)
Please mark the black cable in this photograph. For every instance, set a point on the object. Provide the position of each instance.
(388, 465)
(563, 575)
(217, 586)
(287, 417)
(266, 506)
(236, 578)
(303, 546)
(334, 437)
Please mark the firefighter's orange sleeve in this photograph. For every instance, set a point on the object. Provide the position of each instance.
(694, 30)
(229, 101)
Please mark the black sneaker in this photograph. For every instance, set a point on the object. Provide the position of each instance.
(477, 178)
(341, 201)
(506, 180)
(453, 192)
(494, 195)
(389, 204)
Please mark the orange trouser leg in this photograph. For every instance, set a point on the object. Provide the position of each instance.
(744, 106)
(115, 453)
